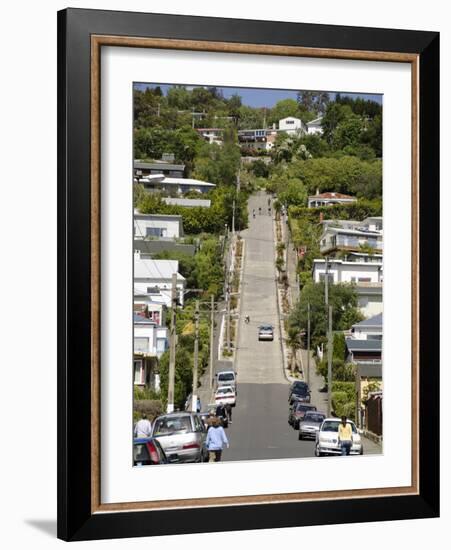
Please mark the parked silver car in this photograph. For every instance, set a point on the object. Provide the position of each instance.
(182, 436)
(309, 425)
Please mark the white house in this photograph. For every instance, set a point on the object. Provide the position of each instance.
(211, 135)
(369, 329)
(159, 182)
(343, 271)
(314, 126)
(365, 271)
(150, 305)
(150, 341)
(351, 236)
(292, 125)
(161, 226)
(328, 199)
(152, 276)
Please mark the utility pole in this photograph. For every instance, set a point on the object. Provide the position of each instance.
(212, 343)
(233, 219)
(308, 343)
(329, 364)
(172, 342)
(196, 357)
(228, 319)
(326, 282)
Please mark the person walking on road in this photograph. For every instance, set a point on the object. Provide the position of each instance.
(228, 409)
(216, 441)
(143, 427)
(345, 436)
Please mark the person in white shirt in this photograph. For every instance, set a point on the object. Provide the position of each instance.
(143, 428)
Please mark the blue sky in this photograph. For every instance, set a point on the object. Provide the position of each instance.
(259, 97)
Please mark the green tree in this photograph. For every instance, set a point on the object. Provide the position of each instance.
(283, 109)
(334, 115)
(345, 313)
(348, 132)
(183, 375)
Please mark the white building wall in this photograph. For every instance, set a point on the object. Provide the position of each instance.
(169, 228)
(291, 125)
(164, 286)
(314, 129)
(347, 272)
(145, 331)
(370, 305)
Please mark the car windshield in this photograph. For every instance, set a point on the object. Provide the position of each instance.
(266, 327)
(171, 425)
(300, 390)
(311, 417)
(226, 376)
(332, 426)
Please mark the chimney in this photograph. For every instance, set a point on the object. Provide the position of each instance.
(317, 191)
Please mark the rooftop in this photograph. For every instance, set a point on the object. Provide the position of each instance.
(375, 321)
(156, 269)
(142, 320)
(354, 344)
(176, 181)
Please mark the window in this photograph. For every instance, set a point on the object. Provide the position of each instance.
(141, 344)
(139, 373)
(289, 122)
(364, 279)
(154, 232)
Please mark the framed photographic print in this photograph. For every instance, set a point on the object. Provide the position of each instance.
(248, 274)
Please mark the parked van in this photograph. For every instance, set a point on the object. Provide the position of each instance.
(226, 378)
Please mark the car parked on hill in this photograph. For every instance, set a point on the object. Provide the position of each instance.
(227, 378)
(182, 434)
(299, 391)
(327, 438)
(297, 413)
(310, 424)
(225, 395)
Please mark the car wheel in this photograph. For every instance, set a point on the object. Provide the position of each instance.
(300, 437)
(317, 451)
(361, 450)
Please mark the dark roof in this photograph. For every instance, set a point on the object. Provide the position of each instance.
(354, 344)
(141, 319)
(370, 370)
(375, 321)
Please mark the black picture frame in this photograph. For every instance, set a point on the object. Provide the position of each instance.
(76, 520)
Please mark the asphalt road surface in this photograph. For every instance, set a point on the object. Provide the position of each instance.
(260, 428)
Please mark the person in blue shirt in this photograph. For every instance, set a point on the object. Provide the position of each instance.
(216, 441)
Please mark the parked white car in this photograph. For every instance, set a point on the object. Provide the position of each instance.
(225, 395)
(327, 439)
(226, 378)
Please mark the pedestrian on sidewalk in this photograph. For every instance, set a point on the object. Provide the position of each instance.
(143, 428)
(216, 441)
(345, 436)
